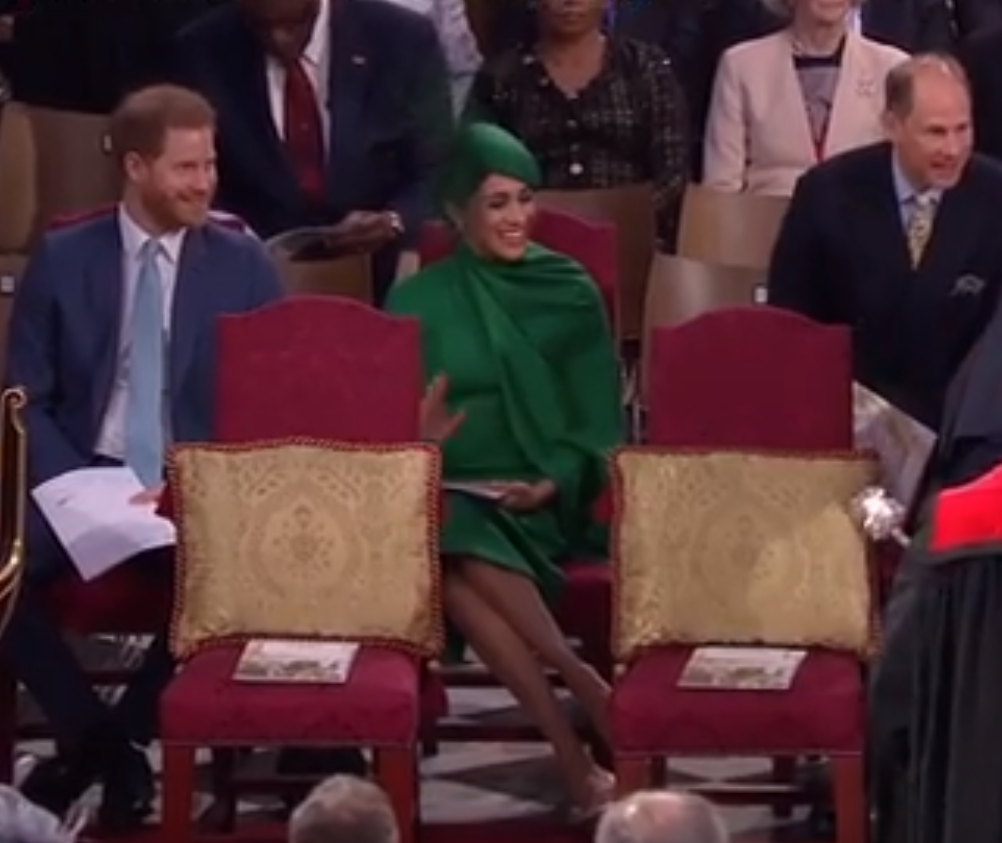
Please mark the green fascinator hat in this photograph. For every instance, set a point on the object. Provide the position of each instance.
(481, 150)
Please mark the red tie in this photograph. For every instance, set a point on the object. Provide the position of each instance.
(304, 133)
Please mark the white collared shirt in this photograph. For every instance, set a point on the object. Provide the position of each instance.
(459, 45)
(908, 196)
(111, 438)
(316, 61)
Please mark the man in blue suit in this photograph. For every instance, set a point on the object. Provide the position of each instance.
(112, 335)
(330, 114)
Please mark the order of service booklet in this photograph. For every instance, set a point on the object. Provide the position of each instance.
(742, 668)
(902, 444)
(296, 662)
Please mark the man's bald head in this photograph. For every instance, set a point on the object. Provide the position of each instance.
(928, 120)
(905, 81)
(662, 817)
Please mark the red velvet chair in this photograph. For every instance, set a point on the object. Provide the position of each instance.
(584, 610)
(327, 368)
(766, 379)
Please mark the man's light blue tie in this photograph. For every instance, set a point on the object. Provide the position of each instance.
(144, 424)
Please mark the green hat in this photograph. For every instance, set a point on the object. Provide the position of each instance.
(483, 150)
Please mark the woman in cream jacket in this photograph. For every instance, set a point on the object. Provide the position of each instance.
(784, 102)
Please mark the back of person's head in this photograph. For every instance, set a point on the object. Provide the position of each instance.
(164, 139)
(662, 817)
(22, 821)
(344, 809)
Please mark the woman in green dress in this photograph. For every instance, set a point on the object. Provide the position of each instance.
(521, 334)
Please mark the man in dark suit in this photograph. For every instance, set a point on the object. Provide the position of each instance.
(112, 336)
(981, 58)
(330, 114)
(894, 240)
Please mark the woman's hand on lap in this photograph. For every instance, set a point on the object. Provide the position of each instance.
(526, 497)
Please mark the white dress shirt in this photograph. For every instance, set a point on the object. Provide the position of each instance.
(111, 438)
(316, 61)
(459, 45)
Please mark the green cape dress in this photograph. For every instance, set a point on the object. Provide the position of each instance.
(531, 362)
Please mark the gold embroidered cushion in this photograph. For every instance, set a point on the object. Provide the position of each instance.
(739, 548)
(304, 539)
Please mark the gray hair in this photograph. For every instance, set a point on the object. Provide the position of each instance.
(783, 9)
(899, 84)
(22, 821)
(344, 809)
(662, 817)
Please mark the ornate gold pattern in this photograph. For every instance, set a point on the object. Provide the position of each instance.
(13, 497)
(307, 539)
(739, 548)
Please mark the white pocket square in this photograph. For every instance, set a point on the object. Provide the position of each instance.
(968, 285)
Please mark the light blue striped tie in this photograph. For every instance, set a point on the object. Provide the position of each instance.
(144, 429)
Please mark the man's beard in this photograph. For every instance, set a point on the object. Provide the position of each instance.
(163, 211)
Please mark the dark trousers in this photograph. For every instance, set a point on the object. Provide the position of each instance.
(34, 649)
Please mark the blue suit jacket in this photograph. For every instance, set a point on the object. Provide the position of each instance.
(66, 322)
(389, 105)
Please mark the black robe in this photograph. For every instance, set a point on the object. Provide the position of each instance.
(954, 774)
(939, 779)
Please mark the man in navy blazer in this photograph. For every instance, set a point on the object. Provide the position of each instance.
(112, 335)
(845, 253)
(331, 113)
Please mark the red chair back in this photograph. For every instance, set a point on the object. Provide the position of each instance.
(751, 377)
(318, 366)
(592, 244)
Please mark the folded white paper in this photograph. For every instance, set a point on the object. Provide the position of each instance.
(903, 445)
(91, 513)
(484, 491)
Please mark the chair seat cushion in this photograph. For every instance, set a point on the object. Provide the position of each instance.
(585, 607)
(126, 600)
(379, 705)
(822, 712)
